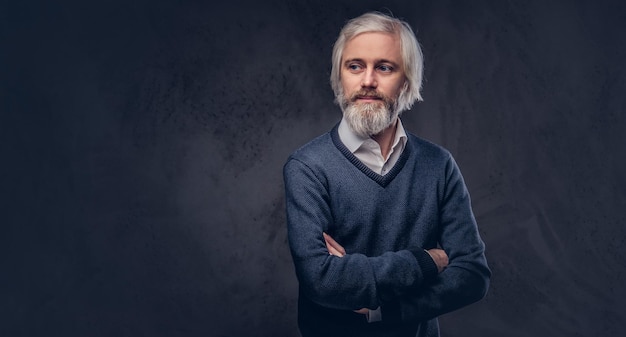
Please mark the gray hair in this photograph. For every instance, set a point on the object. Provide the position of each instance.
(412, 58)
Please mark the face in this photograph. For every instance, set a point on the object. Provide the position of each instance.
(372, 78)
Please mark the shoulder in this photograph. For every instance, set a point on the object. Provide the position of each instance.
(321, 150)
(436, 159)
(312, 158)
(313, 151)
(308, 163)
(427, 150)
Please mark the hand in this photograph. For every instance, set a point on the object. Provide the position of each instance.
(440, 257)
(362, 311)
(333, 247)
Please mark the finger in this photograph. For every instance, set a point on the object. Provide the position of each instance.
(335, 252)
(333, 247)
(329, 247)
(330, 241)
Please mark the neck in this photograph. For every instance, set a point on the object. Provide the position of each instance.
(385, 138)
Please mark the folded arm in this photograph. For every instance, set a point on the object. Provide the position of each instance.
(334, 248)
(354, 281)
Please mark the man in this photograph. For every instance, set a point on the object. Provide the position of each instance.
(368, 204)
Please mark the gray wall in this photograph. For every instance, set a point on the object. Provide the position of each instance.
(143, 142)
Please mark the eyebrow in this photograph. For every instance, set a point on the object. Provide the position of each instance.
(346, 62)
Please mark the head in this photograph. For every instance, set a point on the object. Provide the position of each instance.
(385, 77)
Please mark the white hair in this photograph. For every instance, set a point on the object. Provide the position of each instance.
(412, 58)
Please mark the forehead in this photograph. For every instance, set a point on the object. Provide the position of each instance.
(373, 46)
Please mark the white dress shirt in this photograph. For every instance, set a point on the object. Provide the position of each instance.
(368, 151)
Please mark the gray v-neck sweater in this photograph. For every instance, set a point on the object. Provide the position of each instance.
(384, 223)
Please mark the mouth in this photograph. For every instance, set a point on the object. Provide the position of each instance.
(368, 98)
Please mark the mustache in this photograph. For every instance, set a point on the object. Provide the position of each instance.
(368, 93)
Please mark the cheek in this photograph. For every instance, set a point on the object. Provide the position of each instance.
(348, 87)
(396, 87)
(349, 82)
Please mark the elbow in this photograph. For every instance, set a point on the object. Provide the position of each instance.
(472, 286)
(316, 286)
(312, 286)
(477, 280)
(328, 283)
(480, 285)
(482, 288)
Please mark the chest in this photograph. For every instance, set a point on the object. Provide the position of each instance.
(371, 219)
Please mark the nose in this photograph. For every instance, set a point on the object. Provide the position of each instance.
(369, 79)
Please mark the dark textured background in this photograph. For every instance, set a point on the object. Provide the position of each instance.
(143, 141)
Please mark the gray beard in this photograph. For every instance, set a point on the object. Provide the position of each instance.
(369, 119)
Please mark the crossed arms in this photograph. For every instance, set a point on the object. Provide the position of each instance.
(417, 283)
(439, 256)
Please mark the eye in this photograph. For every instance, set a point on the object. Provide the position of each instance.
(385, 68)
(354, 67)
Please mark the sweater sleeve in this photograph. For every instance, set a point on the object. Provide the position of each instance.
(353, 281)
(466, 278)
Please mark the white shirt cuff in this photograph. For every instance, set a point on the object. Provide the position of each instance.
(374, 315)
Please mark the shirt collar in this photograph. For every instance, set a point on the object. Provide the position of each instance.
(353, 141)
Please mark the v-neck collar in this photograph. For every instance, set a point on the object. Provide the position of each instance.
(382, 180)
